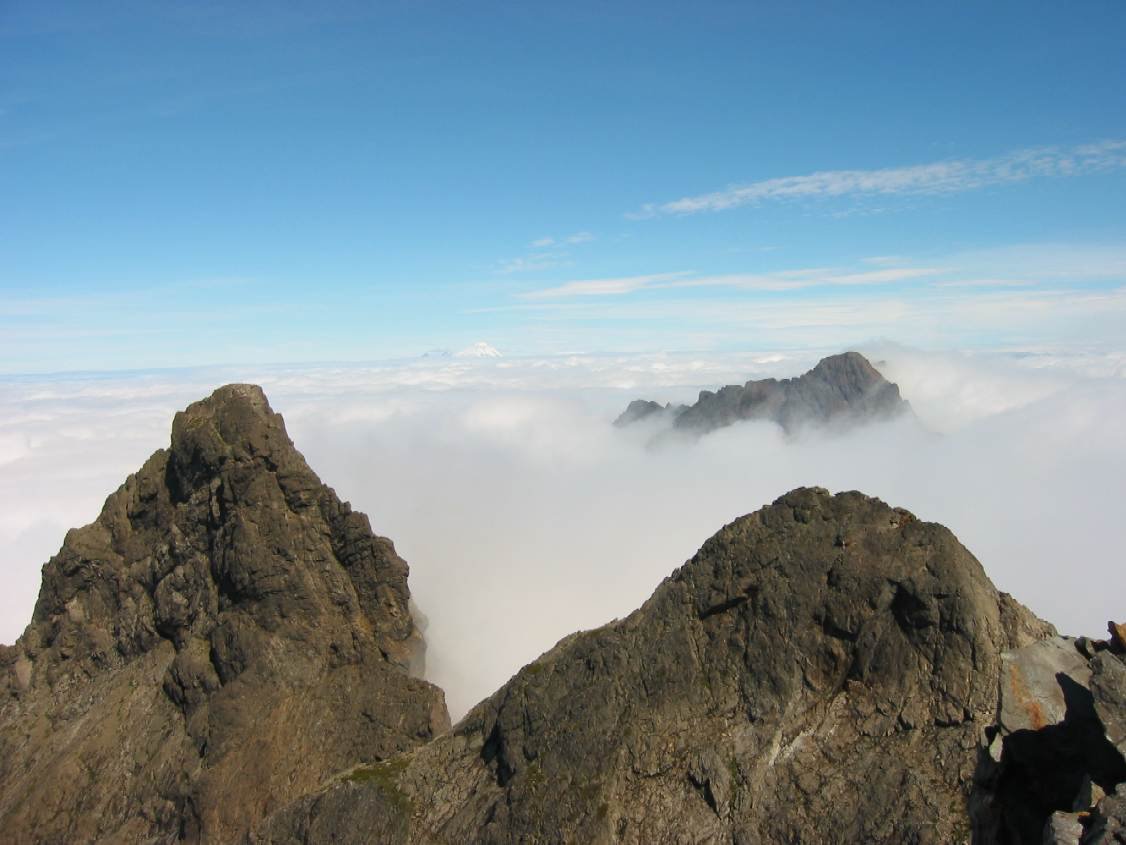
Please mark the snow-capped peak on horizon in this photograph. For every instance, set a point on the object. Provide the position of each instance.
(479, 350)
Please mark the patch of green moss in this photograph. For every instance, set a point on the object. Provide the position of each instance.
(385, 777)
(534, 776)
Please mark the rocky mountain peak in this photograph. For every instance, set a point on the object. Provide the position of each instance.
(842, 389)
(849, 371)
(227, 618)
(821, 670)
(233, 423)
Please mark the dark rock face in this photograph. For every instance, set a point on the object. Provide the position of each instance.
(222, 638)
(841, 389)
(641, 409)
(823, 670)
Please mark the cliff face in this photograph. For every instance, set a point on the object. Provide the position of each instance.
(841, 389)
(823, 670)
(222, 638)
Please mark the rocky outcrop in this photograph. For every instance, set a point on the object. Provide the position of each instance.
(642, 409)
(1058, 747)
(841, 390)
(823, 670)
(222, 638)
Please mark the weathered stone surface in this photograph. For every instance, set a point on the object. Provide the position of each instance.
(1052, 754)
(224, 636)
(820, 671)
(1108, 823)
(1063, 829)
(841, 389)
(1108, 689)
(1033, 695)
(1117, 631)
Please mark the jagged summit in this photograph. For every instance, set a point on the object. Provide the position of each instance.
(225, 635)
(841, 389)
(825, 669)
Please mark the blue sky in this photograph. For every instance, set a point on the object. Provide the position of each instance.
(206, 183)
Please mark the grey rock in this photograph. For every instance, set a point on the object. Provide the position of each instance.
(1063, 829)
(1108, 689)
(1108, 823)
(225, 636)
(1058, 708)
(641, 409)
(1034, 692)
(841, 390)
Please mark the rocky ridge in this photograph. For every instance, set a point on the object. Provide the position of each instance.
(225, 636)
(1059, 743)
(842, 389)
(826, 669)
(224, 656)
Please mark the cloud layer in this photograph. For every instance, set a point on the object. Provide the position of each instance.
(525, 515)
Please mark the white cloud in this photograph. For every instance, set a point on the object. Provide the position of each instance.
(983, 283)
(547, 252)
(943, 177)
(531, 263)
(525, 515)
(603, 287)
(779, 281)
(940, 317)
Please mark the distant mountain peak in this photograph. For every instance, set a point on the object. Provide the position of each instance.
(842, 388)
(481, 349)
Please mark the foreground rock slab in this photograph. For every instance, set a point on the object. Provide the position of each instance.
(225, 636)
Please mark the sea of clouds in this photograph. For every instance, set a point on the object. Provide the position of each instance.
(525, 515)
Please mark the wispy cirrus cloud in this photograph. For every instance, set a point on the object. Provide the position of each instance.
(531, 263)
(576, 238)
(983, 283)
(605, 287)
(781, 281)
(941, 177)
(548, 251)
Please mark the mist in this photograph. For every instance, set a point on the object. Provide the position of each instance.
(526, 516)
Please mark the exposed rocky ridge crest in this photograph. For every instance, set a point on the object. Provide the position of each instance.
(225, 635)
(841, 389)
